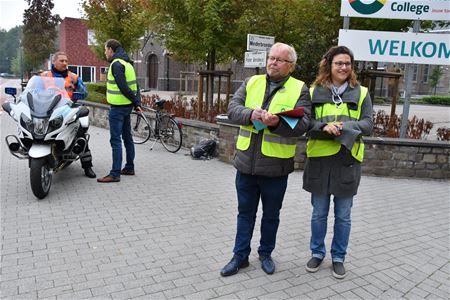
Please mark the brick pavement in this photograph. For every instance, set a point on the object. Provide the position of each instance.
(166, 232)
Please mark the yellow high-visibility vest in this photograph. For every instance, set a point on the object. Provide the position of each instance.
(329, 113)
(113, 94)
(285, 98)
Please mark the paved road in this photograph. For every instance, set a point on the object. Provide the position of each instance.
(166, 232)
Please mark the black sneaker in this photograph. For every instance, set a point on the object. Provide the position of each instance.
(313, 264)
(339, 270)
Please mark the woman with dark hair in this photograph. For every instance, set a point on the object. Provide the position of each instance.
(341, 115)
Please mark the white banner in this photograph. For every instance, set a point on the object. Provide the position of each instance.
(255, 59)
(397, 9)
(401, 47)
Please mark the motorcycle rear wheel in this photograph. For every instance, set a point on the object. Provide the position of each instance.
(40, 177)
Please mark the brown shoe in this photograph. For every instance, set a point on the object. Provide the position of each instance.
(127, 172)
(108, 178)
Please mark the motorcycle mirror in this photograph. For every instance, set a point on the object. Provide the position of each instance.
(53, 104)
(10, 91)
(83, 112)
(30, 101)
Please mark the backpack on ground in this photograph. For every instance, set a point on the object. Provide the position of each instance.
(205, 149)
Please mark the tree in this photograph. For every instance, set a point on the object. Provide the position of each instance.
(123, 20)
(39, 32)
(17, 63)
(201, 31)
(9, 43)
(435, 76)
(215, 31)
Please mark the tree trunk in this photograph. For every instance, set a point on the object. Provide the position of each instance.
(211, 65)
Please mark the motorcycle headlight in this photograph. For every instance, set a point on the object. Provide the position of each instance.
(40, 126)
(26, 123)
(55, 123)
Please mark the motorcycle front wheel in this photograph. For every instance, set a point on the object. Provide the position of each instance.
(40, 177)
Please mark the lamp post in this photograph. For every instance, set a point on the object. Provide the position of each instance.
(21, 60)
(166, 54)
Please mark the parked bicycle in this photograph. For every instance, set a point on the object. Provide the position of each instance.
(163, 128)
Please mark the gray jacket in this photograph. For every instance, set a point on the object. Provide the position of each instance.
(338, 174)
(252, 161)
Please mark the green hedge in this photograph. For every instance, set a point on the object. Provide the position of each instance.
(97, 92)
(444, 100)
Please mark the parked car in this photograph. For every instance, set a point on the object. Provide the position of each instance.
(6, 75)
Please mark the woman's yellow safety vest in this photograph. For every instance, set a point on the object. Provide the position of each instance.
(329, 113)
(285, 98)
(113, 94)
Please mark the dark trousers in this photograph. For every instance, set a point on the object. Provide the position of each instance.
(85, 157)
(120, 129)
(251, 188)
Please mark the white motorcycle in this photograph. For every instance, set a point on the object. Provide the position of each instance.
(48, 123)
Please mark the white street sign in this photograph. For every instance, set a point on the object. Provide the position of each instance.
(255, 59)
(397, 9)
(401, 47)
(259, 42)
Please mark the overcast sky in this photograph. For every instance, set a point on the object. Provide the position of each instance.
(11, 11)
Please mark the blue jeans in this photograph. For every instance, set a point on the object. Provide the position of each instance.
(120, 125)
(250, 188)
(342, 225)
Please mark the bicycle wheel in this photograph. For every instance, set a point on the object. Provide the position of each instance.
(140, 128)
(170, 134)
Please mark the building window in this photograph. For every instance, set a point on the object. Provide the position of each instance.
(103, 70)
(91, 40)
(426, 71)
(87, 74)
(414, 73)
(73, 69)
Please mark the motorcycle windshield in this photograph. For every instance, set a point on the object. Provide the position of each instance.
(43, 94)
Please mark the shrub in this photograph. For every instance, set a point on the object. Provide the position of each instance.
(99, 87)
(379, 100)
(443, 134)
(97, 92)
(444, 100)
(384, 125)
(188, 109)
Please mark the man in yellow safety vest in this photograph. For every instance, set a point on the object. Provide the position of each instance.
(265, 151)
(123, 95)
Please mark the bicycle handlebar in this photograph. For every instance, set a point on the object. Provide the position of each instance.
(148, 108)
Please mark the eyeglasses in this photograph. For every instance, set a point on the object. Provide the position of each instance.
(341, 64)
(279, 60)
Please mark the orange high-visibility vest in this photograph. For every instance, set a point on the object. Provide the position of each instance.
(69, 82)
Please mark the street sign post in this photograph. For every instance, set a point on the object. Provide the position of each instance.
(258, 45)
(255, 59)
(399, 9)
(397, 47)
(400, 47)
(259, 42)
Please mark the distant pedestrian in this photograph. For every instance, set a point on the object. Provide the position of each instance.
(265, 152)
(122, 94)
(341, 115)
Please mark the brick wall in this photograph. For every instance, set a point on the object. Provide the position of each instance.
(73, 40)
(383, 156)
